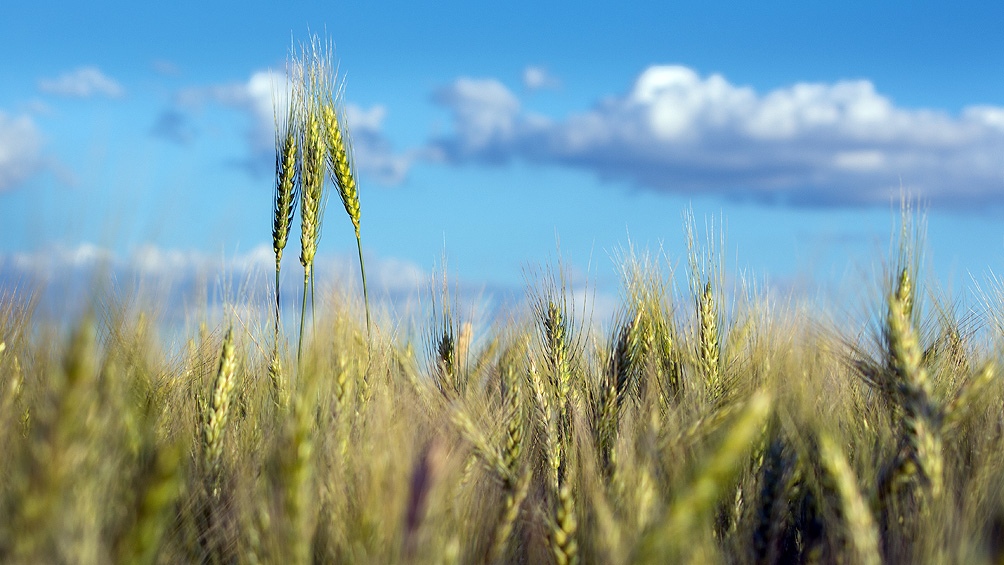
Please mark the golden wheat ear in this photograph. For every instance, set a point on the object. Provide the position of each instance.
(287, 178)
(341, 165)
(313, 168)
(218, 409)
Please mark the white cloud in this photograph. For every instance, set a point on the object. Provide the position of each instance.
(82, 82)
(486, 115)
(20, 150)
(538, 78)
(257, 97)
(260, 97)
(372, 151)
(809, 143)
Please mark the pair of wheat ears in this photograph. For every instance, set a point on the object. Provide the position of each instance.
(312, 144)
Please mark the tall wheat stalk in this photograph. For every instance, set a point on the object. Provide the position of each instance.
(340, 162)
(287, 189)
(312, 170)
(287, 180)
(705, 282)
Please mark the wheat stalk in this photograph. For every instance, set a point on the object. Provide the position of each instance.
(343, 176)
(286, 178)
(312, 194)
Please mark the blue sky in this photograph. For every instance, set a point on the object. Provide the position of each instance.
(492, 131)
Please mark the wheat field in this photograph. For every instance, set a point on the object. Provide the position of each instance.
(713, 424)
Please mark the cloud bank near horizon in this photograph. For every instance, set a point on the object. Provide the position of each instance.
(151, 263)
(69, 278)
(675, 131)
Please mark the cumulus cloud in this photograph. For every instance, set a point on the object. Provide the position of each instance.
(255, 97)
(538, 78)
(677, 131)
(489, 122)
(20, 150)
(372, 151)
(82, 82)
(258, 98)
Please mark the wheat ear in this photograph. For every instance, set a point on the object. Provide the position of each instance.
(296, 468)
(163, 484)
(563, 543)
(344, 178)
(860, 523)
(510, 513)
(555, 335)
(958, 408)
(715, 477)
(219, 407)
(921, 431)
(312, 196)
(286, 184)
(709, 349)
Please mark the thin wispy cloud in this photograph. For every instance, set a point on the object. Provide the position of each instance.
(539, 78)
(82, 82)
(20, 150)
(840, 143)
(165, 67)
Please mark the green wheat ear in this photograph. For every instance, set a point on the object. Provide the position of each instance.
(312, 170)
(287, 191)
(340, 162)
(218, 408)
(287, 177)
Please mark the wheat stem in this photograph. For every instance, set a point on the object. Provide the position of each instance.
(303, 315)
(362, 272)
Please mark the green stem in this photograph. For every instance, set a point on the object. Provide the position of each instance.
(277, 301)
(313, 313)
(303, 313)
(366, 297)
